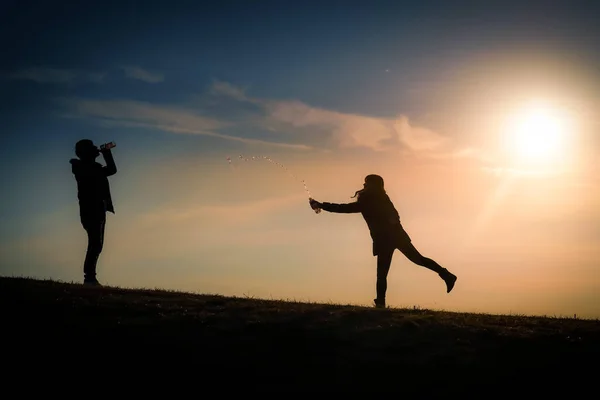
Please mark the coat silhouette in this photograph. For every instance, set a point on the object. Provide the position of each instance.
(94, 196)
(387, 232)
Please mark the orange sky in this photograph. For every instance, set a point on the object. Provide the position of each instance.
(430, 101)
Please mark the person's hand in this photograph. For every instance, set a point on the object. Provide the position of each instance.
(314, 204)
(106, 147)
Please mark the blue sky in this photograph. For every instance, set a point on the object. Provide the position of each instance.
(418, 91)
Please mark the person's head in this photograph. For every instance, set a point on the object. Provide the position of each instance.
(86, 150)
(373, 183)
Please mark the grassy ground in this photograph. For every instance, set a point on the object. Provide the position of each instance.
(64, 331)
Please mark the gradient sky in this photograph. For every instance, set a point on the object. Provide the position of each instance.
(423, 93)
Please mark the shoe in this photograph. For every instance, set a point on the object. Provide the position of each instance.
(379, 303)
(449, 278)
(91, 282)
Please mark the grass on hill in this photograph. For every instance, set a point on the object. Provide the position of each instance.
(69, 331)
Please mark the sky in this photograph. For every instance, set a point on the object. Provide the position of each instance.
(482, 118)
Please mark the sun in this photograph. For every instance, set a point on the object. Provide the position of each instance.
(537, 135)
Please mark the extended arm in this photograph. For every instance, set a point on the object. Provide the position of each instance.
(346, 208)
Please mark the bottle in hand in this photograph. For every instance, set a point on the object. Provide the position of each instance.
(108, 146)
(314, 206)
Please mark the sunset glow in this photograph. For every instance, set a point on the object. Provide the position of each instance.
(539, 137)
(483, 121)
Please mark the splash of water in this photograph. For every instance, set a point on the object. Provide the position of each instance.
(276, 163)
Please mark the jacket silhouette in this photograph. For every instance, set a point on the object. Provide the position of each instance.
(381, 217)
(93, 188)
(386, 231)
(94, 196)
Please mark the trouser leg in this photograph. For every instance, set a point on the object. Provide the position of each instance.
(95, 232)
(384, 261)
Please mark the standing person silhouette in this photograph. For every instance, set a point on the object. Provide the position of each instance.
(93, 193)
(386, 231)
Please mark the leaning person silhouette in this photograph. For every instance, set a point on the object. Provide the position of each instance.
(93, 193)
(386, 232)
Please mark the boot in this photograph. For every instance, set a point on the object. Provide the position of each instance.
(449, 278)
(90, 280)
(379, 303)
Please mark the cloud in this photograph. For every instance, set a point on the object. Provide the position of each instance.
(417, 138)
(142, 74)
(271, 120)
(353, 130)
(193, 131)
(55, 75)
(166, 118)
(346, 130)
(229, 90)
(129, 111)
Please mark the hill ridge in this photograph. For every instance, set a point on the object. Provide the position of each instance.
(304, 346)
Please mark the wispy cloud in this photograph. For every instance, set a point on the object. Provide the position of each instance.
(271, 120)
(226, 89)
(353, 130)
(129, 111)
(346, 130)
(55, 75)
(142, 74)
(166, 118)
